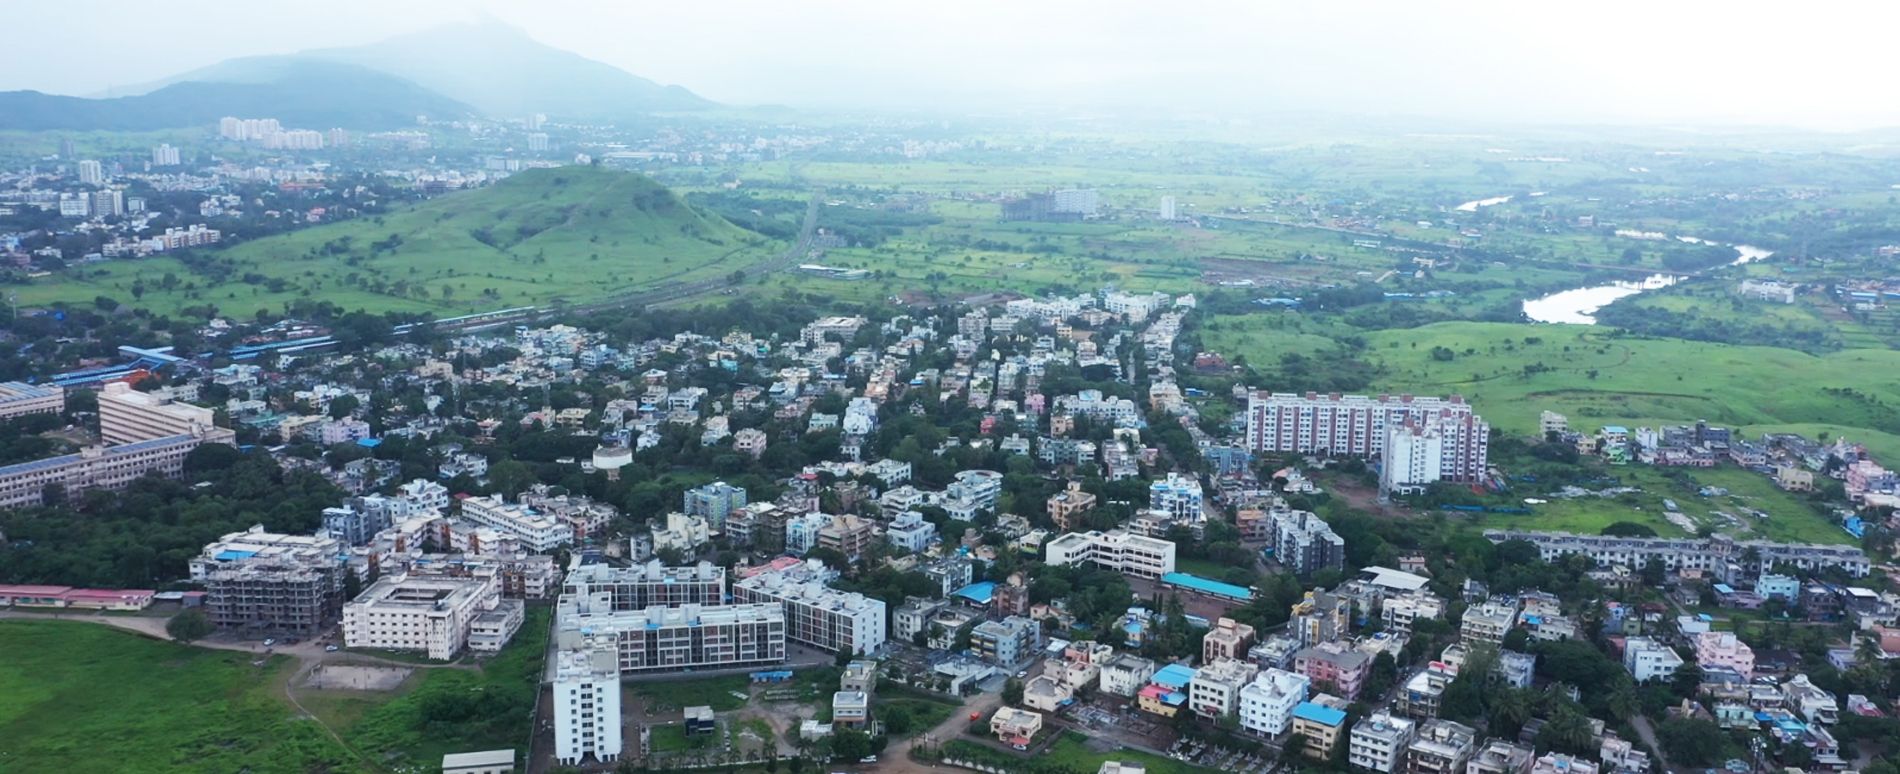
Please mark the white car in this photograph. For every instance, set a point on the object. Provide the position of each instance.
(1022, 674)
(331, 648)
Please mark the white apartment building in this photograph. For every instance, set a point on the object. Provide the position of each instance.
(1177, 495)
(1647, 659)
(645, 585)
(1215, 690)
(1118, 551)
(1400, 612)
(1125, 674)
(1360, 426)
(100, 467)
(1379, 741)
(829, 620)
(428, 615)
(675, 638)
(1414, 458)
(538, 532)
(1266, 704)
(586, 698)
(683, 533)
(1709, 555)
(1488, 622)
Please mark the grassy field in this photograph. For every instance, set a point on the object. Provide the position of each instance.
(1072, 749)
(1596, 379)
(715, 692)
(1790, 518)
(79, 696)
(573, 233)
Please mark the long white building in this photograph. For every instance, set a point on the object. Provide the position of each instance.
(1712, 555)
(1358, 425)
(1119, 551)
(1266, 704)
(430, 615)
(652, 584)
(825, 619)
(674, 638)
(537, 531)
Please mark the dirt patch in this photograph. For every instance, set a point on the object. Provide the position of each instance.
(345, 677)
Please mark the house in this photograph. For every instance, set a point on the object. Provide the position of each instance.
(1229, 639)
(1166, 691)
(1125, 675)
(850, 709)
(1320, 721)
(1015, 727)
(1648, 659)
(1215, 690)
(1440, 747)
(1722, 649)
(1046, 693)
(1267, 703)
(1500, 757)
(1810, 701)
(699, 720)
(1378, 742)
(1333, 662)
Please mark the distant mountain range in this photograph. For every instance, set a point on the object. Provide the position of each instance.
(479, 70)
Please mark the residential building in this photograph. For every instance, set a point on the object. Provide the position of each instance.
(675, 638)
(128, 416)
(586, 697)
(914, 617)
(1488, 622)
(1344, 667)
(641, 586)
(1648, 659)
(1228, 639)
(428, 615)
(910, 532)
(1322, 722)
(536, 531)
(1304, 543)
(1440, 747)
(1066, 508)
(950, 573)
(1178, 496)
(167, 156)
(1809, 701)
(1498, 756)
(1167, 690)
(1619, 756)
(1045, 693)
(101, 467)
(1361, 426)
(1552, 422)
(1125, 674)
(485, 762)
(750, 441)
(1723, 649)
(683, 533)
(1007, 642)
(1708, 555)
(1267, 703)
(1215, 690)
(851, 709)
(1378, 742)
(1118, 551)
(850, 535)
(1558, 763)
(1421, 696)
(91, 172)
(817, 616)
(1399, 612)
(1015, 727)
(262, 582)
(714, 502)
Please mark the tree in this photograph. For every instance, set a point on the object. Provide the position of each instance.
(1624, 703)
(1013, 691)
(1689, 742)
(850, 744)
(189, 626)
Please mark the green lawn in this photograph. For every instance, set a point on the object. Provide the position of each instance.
(1070, 750)
(80, 696)
(673, 738)
(715, 692)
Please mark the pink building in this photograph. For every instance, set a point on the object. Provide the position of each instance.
(1336, 663)
(1713, 649)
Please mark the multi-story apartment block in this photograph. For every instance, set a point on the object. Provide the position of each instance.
(1067, 507)
(1648, 659)
(1707, 555)
(1440, 747)
(1267, 703)
(1178, 496)
(1488, 622)
(100, 467)
(651, 584)
(815, 615)
(1378, 743)
(521, 575)
(1007, 642)
(429, 615)
(1215, 690)
(714, 502)
(586, 697)
(268, 583)
(1400, 612)
(1558, 763)
(1360, 426)
(1422, 695)
(1722, 649)
(127, 416)
(913, 617)
(1810, 701)
(1228, 639)
(1303, 543)
(910, 532)
(848, 535)
(949, 573)
(1119, 551)
(686, 637)
(538, 532)
(588, 518)
(1336, 663)
(1125, 674)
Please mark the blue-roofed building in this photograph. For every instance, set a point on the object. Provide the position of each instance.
(980, 594)
(1175, 676)
(1202, 585)
(1321, 724)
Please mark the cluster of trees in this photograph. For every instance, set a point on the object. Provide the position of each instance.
(1694, 325)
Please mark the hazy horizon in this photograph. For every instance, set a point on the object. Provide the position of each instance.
(1604, 62)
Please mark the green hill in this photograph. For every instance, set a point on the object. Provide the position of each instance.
(567, 233)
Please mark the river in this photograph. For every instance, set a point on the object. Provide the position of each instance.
(1578, 306)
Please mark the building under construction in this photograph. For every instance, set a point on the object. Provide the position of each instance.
(267, 583)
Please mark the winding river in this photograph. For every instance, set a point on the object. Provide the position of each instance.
(1579, 305)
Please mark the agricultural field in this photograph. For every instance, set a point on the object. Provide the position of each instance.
(1511, 373)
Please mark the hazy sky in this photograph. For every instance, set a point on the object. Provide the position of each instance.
(1825, 63)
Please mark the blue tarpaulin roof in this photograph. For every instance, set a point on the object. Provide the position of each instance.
(1319, 713)
(232, 556)
(980, 593)
(1206, 586)
(1173, 674)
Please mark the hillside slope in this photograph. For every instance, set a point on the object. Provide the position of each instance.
(566, 233)
(301, 93)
